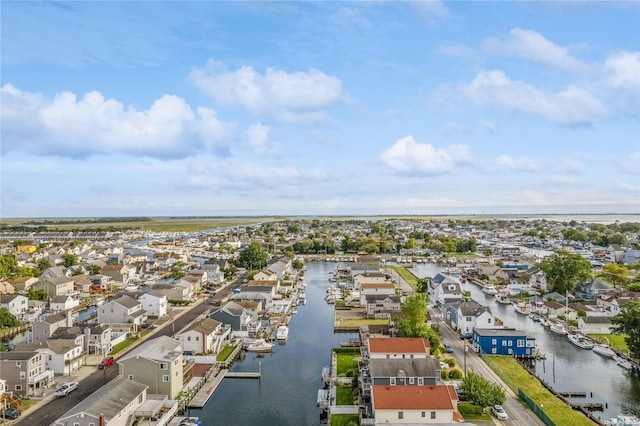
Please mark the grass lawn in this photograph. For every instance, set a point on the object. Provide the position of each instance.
(224, 353)
(352, 322)
(517, 377)
(346, 362)
(472, 412)
(344, 420)
(344, 396)
(461, 255)
(406, 275)
(120, 346)
(615, 340)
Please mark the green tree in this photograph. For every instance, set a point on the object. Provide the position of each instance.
(93, 269)
(253, 257)
(7, 319)
(481, 391)
(69, 259)
(615, 274)
(413, 322)
(422, 285)
(563, 269)
(628, 322)
(297, 264)
(37, 294)
(42, 265)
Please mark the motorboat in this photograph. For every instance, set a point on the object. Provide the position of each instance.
(503, 297)
(604, 350)
(489, 289)
(534, 317)
(259, 345)
(580, 341)
(557, 328)
(623, 362)
(521, 308)
(282, 333)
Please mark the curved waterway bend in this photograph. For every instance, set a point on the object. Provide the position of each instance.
(291, 376)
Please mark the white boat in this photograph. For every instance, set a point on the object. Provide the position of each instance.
(282, 333)
(580, 341)
(489, 289)
(557, 328)
(259, 345)
(604, 351)
(503, 297)
(521, 308)
(623, 362)
(623, 420)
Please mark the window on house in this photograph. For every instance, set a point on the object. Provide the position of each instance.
(18, 387)
(520, 343)
(424, 414)
(494, 351)
(18, 364)
(130, 376)
(489, 320)
(188, 338)
(411, 380)
(467, 319)
(494, 341)
(504, 343)
(420, 381)
(433, 414)
(140, 398)
(164, 366)
(92, 424)
(400, 415)
(510, 343)
(197, 338)
(165, 378)
(392, 381)
(23, 375)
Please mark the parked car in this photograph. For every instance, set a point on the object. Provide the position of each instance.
(10, 413)
(147, 326)
(466, 336)
(499, 412)
(66, 388)
(106, 362)
(448, 348)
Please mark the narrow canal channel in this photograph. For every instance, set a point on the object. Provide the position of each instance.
(291, 375)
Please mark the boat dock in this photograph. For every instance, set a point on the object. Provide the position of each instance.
(243, 374)
(205, 392)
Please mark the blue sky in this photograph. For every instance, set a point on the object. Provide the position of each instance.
(319, 108)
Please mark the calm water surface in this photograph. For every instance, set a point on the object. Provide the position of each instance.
(291, 375)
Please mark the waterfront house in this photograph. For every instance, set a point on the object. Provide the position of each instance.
(261, 295)
(369, 277)
(16, 304)
(232, 315)
(380, 306)
(123, 309)
(55, 286)
(25, 372)
(114, 405)
(404, 371)
(592, 324)
(63, 356)
(415, 405)
(465, 316)
(81, 283)
(376, 289)
(448, 292)
(438, 280)
(398, 347)
(591, 289)
(505, 341)
(63, 303)
(156, 363)
(206, 336)
(265, 275)
(155, 304)
(119, 273)
(281, 267)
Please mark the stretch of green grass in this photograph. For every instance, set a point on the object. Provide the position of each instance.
(346, 362)
(344, 396)
(406, 275)
(461, 255)
(344, 420)
(614, 340)
(353, 322)
(224, 353)
(515, 376)
(120, 346)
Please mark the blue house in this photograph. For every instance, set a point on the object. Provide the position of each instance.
(504, 341)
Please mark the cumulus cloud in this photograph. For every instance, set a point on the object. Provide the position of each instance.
(432, 9)
(534, 46)
(571, 106)
(631, 164)
(622, 73)
(70, 126)
(257, 138)
(292, 98)
(523, 165)
(406, 156)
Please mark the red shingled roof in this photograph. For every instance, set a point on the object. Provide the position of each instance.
(398, 345)
(438, 397)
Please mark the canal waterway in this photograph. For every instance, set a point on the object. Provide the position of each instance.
(566, 368)
(286, 393)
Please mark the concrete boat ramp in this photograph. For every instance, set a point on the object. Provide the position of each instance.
(207, 390)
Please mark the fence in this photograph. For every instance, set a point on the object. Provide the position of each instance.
(535, 408)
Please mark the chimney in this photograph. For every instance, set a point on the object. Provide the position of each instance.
(101, 420)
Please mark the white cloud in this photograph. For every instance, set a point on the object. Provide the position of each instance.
(632, 163)
(257, 138)
(406, 156)
(489, 126)
(524, 165)
(431, 9)
(455, 130)
(622, 73)
(571, 106)
(293, 98)
(570, 165)
(68, 126)
(534, 46)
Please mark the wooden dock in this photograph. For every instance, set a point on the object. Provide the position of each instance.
(205, 392)
(243, 374)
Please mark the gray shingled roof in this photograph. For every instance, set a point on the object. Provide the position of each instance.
(417, 367)
(16, 355)
(161, 348)
(109, 400)
(126, 301)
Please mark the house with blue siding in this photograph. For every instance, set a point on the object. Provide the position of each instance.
(504, 341)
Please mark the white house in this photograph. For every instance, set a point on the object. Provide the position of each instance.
(63, 303)
(155, 304)
(204, 337)
(15, 304)
(470, 315)
(123, 309)
(413, 405)
(376, 289)
(63, 356)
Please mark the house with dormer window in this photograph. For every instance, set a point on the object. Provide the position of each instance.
(123, 309)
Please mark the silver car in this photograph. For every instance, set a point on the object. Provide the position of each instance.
(66, 388)
(499, 412)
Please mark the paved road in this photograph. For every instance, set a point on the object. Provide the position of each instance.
(55, 408)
